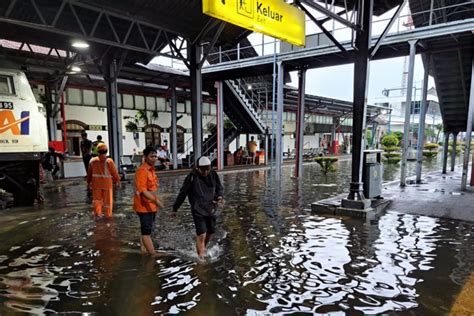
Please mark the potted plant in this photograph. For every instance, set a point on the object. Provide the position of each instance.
(431, 150)
(328, 164)
(390, 146)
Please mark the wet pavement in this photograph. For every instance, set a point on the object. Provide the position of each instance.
(437, 195)
(270, 255)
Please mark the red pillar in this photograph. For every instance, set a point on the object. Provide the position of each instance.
(63, 116)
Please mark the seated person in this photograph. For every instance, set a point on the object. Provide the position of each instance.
(162, 156)
(239, 153)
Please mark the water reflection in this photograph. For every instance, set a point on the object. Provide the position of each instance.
(270, 255)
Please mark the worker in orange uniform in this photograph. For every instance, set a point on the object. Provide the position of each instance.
(146, 201)
(101, 174)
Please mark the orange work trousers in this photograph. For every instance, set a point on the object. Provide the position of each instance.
(102, 198)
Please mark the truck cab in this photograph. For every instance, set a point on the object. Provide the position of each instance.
(23, 137)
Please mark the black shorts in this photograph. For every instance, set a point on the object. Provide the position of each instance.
(204, 224)
(147, 220)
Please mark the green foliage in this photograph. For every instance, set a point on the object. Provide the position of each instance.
(431, 146)
(439, 128)
(430, 154)
(131, 126)
(390, 141)
(368, 137)
(458, 150)
(327, 164)
(391, 148)
(211, 126)
(431, 150)
(399, 136)
(430, 133)
(140, 119)
(392, 158)
(227, 123)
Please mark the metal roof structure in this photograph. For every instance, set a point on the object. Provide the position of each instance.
(394, 45)
(137, 30)
(141, 27)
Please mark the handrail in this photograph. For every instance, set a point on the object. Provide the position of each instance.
(186, 147)
(241, 88)
(229, 52)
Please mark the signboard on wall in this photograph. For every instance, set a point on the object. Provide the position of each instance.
(270, 17)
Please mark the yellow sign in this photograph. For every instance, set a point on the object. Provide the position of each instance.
(271, 17)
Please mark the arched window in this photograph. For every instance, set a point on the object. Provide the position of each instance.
(74, 130)
(153, 135)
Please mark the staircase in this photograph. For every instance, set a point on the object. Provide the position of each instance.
(451, 69)
(240, 107)
(209, 146)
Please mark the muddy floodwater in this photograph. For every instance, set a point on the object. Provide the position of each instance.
(270, 254)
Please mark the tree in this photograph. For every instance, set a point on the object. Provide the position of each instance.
(139, 120)
(431, 150)
(368, 137)
(327, 164)
(390, 146)
(439, 128)
(399, 136)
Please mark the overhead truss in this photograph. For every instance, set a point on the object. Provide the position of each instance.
(90, 23)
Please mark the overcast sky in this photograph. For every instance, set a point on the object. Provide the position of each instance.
(337, 82)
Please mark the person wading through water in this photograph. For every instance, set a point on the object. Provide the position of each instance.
(205, 193)
(145, 200)
(101, 174)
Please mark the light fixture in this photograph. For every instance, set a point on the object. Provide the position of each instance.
(76, 69)
(249, 87)
(80, 44)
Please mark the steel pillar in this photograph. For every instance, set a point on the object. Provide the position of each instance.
(266, 146)
(220, 125)
(467, 141)
(453, 153)
(113, 121)
(174, 127)
(445, 152)
(237, 142)
(333, 135)
(63, 117)
(421, 123)
(406, 129)
(279, 129)
(300, 123)
(194, 53)
(361, 78)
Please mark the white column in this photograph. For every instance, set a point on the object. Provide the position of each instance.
(406, 130)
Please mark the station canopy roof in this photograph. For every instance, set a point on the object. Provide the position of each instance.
(141, 27)
(380, 6)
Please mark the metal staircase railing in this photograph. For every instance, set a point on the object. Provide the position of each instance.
(210, 143)
(238, 88)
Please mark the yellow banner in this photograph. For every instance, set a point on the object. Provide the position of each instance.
(270, 17)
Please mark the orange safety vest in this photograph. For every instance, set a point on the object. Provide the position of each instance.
(102, 173)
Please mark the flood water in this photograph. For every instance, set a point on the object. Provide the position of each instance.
(271, 255)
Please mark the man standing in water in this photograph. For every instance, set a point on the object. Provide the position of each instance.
(101, 174)
(205, 193)
(146, 201)
(86, 150)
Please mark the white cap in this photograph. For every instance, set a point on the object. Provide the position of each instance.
(203, 161)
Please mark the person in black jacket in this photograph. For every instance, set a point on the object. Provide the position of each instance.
(205, 193)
